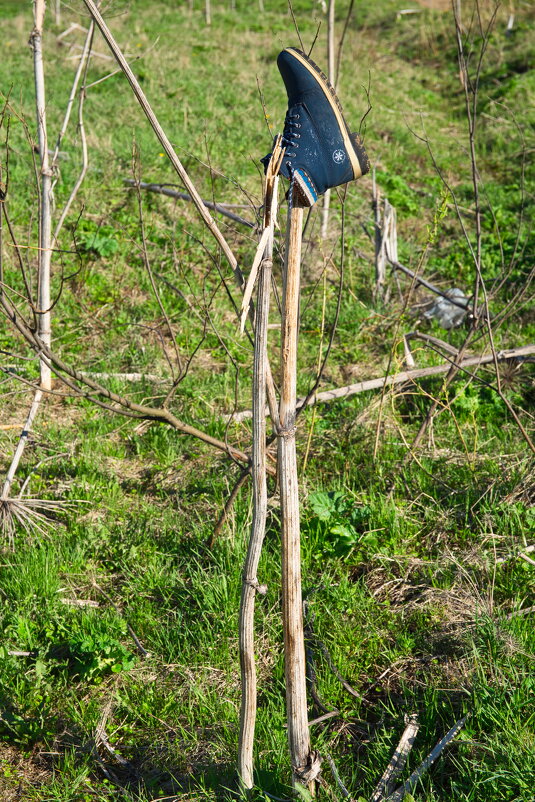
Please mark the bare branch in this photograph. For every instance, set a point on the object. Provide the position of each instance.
(397, 378)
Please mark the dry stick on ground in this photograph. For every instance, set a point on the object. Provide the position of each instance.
(305, 763)
(396, 378)
(521, 554)
(177, 165)
(407, 786)
(398, 760)
(250, 584)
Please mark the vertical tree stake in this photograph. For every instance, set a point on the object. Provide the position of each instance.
(304, 765)
(250, 584)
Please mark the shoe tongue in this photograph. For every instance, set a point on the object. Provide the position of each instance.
(285, 170)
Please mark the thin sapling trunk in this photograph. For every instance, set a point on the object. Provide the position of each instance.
(45, 227)
(332, 78)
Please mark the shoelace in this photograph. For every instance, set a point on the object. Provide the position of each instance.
(289, 134)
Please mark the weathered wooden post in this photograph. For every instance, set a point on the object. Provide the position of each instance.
(305, 765)
(250, 585)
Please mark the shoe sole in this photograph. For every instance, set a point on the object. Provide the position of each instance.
(357, 154)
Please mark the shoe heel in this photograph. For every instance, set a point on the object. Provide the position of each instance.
(362, 156)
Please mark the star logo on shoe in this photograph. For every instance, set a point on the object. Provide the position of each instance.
(339, 156)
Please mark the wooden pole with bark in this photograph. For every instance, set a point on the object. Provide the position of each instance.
(250, 585)
(305, 765)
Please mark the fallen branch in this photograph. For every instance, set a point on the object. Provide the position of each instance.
(523, 611)
(161, 189)
(127, 377)
(343, 790)
(407, 787)
(397, 378)
(398, 760)
(515, 556)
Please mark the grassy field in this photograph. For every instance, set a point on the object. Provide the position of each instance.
(414, 586)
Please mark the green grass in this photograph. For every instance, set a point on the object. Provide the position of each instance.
(406, 587)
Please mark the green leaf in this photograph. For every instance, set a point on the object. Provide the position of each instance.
(324, 505)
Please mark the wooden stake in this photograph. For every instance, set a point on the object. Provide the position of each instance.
(380, 262)
(292, 609)
(250, 584)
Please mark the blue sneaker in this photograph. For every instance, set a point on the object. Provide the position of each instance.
(321, 152)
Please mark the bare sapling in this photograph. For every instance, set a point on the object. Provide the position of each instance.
(250, 585)
(43, 254)
(45, 209)
(46, 241)
(305, 764)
